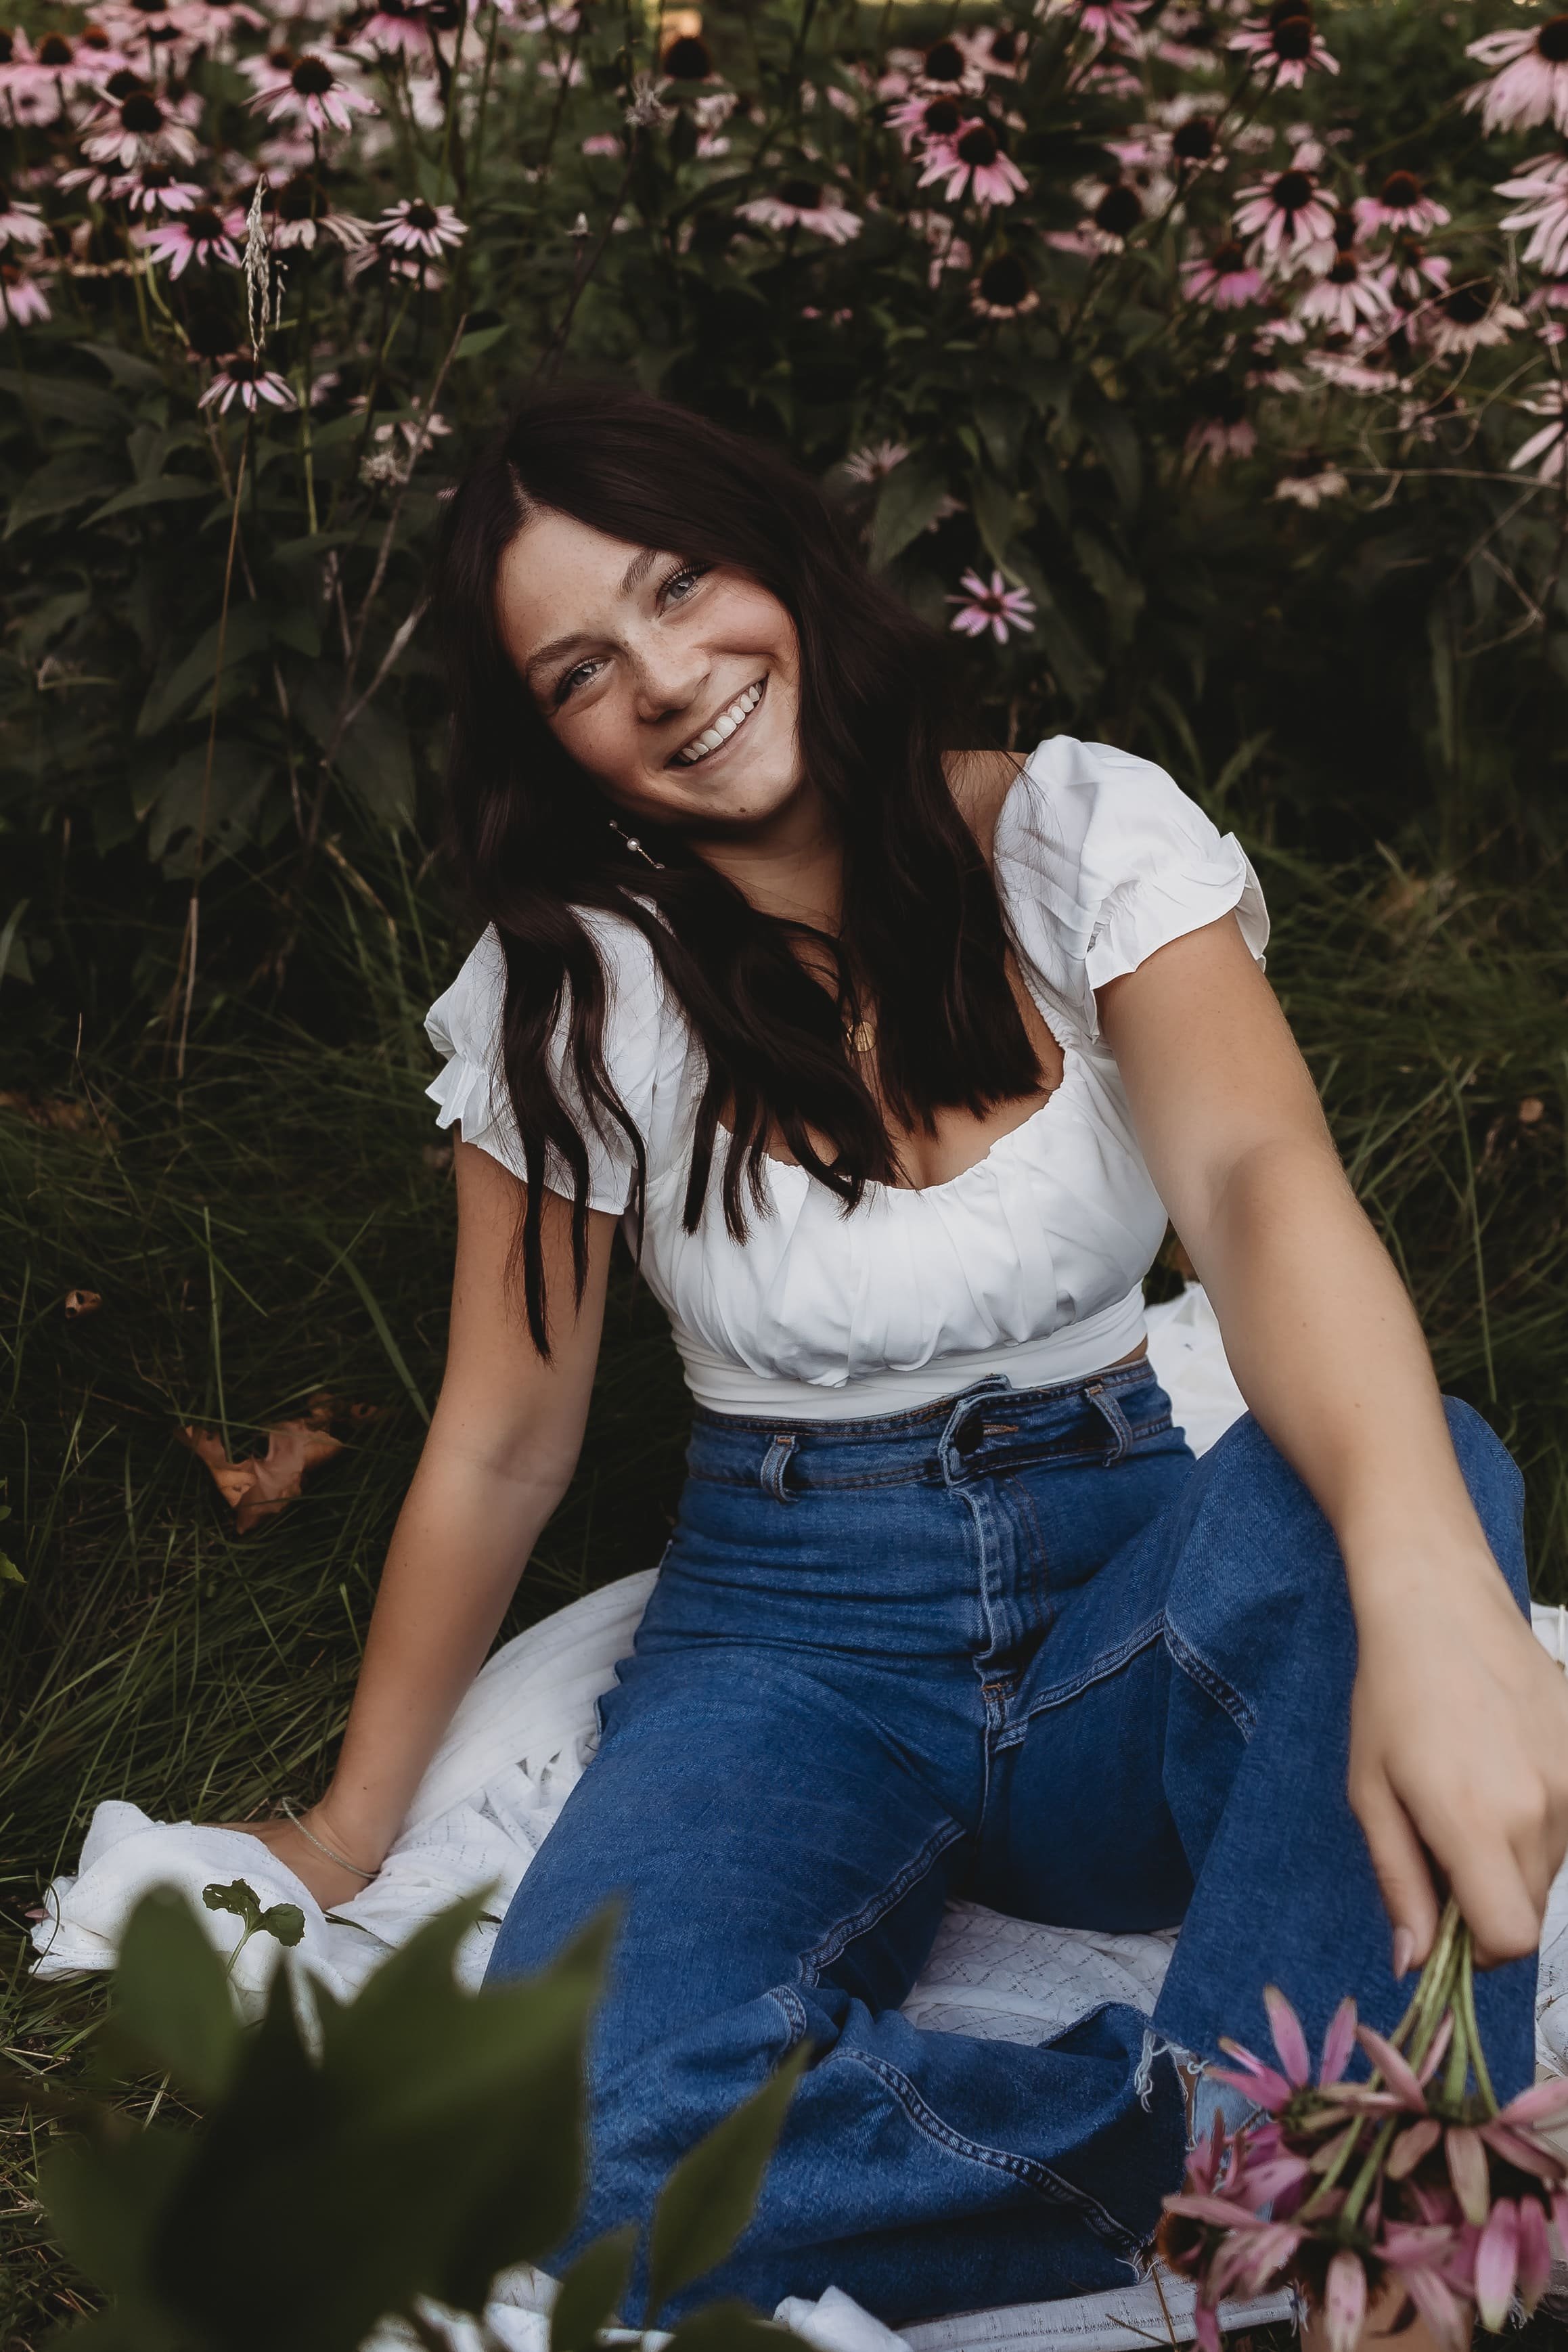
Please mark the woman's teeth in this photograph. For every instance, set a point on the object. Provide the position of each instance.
(723, 727)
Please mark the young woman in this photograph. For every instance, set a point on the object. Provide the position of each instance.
(892, 1063)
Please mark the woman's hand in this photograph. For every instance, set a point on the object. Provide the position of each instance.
(1459, 1757)
(329, 1885)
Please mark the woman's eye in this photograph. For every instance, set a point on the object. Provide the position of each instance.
(679, 584)
(574, 678)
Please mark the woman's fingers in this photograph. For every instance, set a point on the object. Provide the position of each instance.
(1404, 1873)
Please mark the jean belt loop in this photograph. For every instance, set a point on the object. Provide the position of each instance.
(775, 1461)
(1109, 1408)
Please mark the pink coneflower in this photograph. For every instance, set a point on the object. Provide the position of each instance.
(1002, 289)
(998, 608)
(245, 379)
(202, 236)
(413, 226)
(1469, 318)
(803, 204)
(922, 120)
(975, 163)
(1222, 428)
(1531, 85)
(1104, 20)
(1349, 370)
(687, 58)
(875, 461)
(948, 249)
(1114, 212)
(313, 89)
(156, 189)
(22, 298)
(1224, 278)
(1308, 481)
(302, 215)
(1291, 223)
(1346, 296)
(1410, 270)
(946, 66)
(398, 25)
(1000, 49)
(20, 224)
(1401, 202)
(603, 142)
(1193, 145)
(137, 129)
(1543, 184)
(1549, 446)
(1286, 45)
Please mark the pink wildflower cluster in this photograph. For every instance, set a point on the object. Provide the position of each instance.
(1410, 2182)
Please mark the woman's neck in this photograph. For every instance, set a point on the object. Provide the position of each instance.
(789, 866)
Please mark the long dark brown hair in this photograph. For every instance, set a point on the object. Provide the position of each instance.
(922, 936)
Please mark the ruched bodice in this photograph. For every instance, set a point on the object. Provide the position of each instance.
(1030, 1262)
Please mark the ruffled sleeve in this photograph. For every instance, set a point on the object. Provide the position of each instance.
(1102, 859)
(470, 1093)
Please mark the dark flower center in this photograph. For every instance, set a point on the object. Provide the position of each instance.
(1400, 191)
(1293, 38)
(1468, 305)
(311, 78)
(1194, 141)
(7, 48)
(800, 196)
(1220, 399)
(688, 59)
(421, 216)
(978, 147)
(294, 199)
(445, 15)
(1552, 41)
(122, 81)
(280, 59)
(93, 37)
(1344, 230)
(1004, 282)
(1292, 190)
(1004, 47)
(54, 49)
(142, 113)
(1346, 271)
(941, 119)
(943, 62)
(1227, 260)
(203, 227)
(240, 368)
(1119, 210)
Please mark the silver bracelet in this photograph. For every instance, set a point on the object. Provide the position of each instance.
(321, 1844)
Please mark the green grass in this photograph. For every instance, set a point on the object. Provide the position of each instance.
(282, 1224)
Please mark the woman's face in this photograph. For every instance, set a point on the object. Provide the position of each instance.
(673, 684)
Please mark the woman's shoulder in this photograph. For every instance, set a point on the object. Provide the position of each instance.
(465, 1017)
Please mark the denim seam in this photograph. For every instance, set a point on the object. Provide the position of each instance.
(785, 1997)
(1109, 1662)
(1198, 1670)
(839, 1937)
(1026, 2168)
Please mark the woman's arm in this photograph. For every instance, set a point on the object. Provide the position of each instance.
(1459, 1722)
(502, 1447)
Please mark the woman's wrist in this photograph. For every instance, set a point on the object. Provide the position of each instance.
(360, 1839)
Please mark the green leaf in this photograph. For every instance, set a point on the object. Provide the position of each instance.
(298, 629)
(1003, 419)
(730, 2328)
(126, 367)
(171, 2004)
(239, 1897)
(284, 1922)
(591, 2290)
(996, 512)
(71, 400)
(181, 805)
(375, 758)
(108, 2200)
(169, 696)
(710, 2196)
(1113, 435)
(60, 485)
(483, 339)
(907, 501)
(163, 491)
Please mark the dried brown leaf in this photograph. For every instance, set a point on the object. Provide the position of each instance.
(82, 1302)
(258, 1486)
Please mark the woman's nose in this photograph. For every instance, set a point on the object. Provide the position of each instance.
(668, 682)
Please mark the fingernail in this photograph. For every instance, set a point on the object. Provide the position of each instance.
(1404, 1951)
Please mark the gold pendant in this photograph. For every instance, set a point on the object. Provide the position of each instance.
(860, 1038)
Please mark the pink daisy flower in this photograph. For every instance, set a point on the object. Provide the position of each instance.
(243, 378)
(1308, 481)
(412, 225)
(1223, 429)
(22, 298)
(1003, 289)
(1291, 224)
(1285, 44)
(1224, 278)
(948, 64)
(975, 163)
(302, 215)
(137, 129)
(155, 189)
(20, 224)
(602, 143)
(875, 461)
(998, 608)
(1548, 449)
(1401, 202)
(803, 204)
(1103, 20)
(1411, 271)
(202, 236)
(1543, 184)
(1531, 84)
(994, 49)
(314, 89)
(397, 25)
(1470, 317)
(1345, 297)
(922, 119)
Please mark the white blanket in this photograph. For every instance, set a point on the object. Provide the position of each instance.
(515, 1748)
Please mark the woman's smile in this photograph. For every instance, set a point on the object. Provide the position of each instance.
(721, 730)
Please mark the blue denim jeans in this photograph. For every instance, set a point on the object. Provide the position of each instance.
(1017, 1646)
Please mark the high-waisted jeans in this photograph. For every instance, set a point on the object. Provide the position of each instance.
(1015, 1647)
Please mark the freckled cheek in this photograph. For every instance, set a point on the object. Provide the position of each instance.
(604, 739)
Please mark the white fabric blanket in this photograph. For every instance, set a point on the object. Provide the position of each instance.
(517, 1748)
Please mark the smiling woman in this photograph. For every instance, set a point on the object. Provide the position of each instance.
(892, 1060)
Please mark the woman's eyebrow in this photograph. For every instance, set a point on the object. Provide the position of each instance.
(554, 650)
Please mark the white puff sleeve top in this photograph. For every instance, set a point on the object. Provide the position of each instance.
(1030, 1263)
